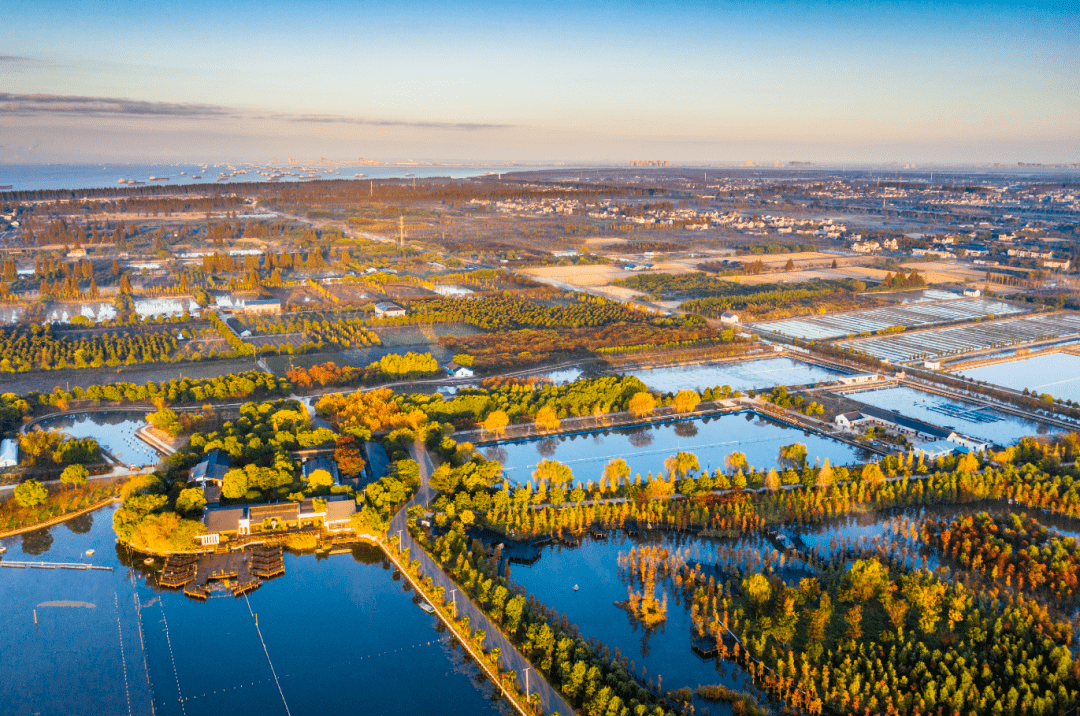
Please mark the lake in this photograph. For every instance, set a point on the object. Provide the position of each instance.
(964, 417)
(342, 636)
(114, 431)
(740, 375)
(1056, 373)
(646, 447)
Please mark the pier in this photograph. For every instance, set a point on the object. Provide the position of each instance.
(52, 565)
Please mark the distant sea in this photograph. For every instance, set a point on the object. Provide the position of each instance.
(28, 177)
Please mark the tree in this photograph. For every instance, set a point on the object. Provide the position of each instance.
(735, 461)
(616, 471)
(464, 359)
(74, 475)
(824, 475)
(772, 480)
(319, 478)
(641, 404)
(793, 455)
(547, 418)
(348, 456)
(31, 493)
(790, 265)
(681, 463)
(685, 401)
(191, 501)
(554, 472)
(872, 473)
(234, 485)
(758, 590)
(165, 420)
(496, 422)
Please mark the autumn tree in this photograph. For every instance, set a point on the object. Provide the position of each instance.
(496, 422)
(686, 401)
(641, 404)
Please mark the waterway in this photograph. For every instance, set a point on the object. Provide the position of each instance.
(740, 375)
(113, 430)
(967, 418)
(335, 635)
(646, 447)
(1056, 373)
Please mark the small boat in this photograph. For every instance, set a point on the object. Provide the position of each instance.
(89, 553)
(575, 587)
(148, 560)
(426, 606)
(3, 549)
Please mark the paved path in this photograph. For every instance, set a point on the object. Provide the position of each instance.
(509, 657)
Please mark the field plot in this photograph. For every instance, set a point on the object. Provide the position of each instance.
(908, 315)
(965, 339)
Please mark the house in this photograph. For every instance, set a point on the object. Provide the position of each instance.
(458, 371)
(226, 521)
(338, 514)
(388, 310)
(325, 464)
(932, 364)
(211, 469)
(79, 253)
(282, 514)
(262, 305)
(968, 443)
(972, 292)
(849, 421)
(1057, 264)
(858, 378)
(9, 453)
(729, 318)
(892, 420)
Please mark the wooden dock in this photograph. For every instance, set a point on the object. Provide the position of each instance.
(51, 565)
(178, 571)
(267, 561)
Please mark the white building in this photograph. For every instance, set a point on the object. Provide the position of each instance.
(388, 310)
(731, 318)
(972, 292)
(858, 378)
(458, 371)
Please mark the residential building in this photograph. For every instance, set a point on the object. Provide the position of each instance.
(458, 371)
(385, 309)
(729, 318)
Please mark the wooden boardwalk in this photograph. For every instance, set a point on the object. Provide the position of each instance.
(52, 565)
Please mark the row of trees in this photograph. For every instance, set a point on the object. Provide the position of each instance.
(36, 347)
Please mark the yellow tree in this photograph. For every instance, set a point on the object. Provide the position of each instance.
(496, 422)
(685, 401)
(547, 418)
(641, 404)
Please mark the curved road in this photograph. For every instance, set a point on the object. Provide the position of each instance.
(551, 702)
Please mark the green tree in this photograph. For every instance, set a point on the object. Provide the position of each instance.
(191, 501)
(31, 493)
(554, 472)
(74, 475)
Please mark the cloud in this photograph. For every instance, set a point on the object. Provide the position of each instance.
(461, 126)
(70, 105)
(13, 60)
(45, 104)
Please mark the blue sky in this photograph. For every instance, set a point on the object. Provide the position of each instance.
(708, 81)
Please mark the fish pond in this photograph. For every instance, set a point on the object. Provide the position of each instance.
(333, 635)
(113, 430)
(740, 375)
(646, 447)
(1056, 373)
(967, 418)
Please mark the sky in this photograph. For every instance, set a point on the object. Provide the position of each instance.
(589, 82)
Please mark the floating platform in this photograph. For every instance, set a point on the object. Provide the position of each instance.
(196, 591)
(241, 588)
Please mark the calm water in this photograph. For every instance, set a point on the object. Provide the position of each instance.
(114, 431)
(664, 652)
(1057, 374)
(645, 448)
(742, 375)
(342, 635)
(1001, 428)
(23, 177)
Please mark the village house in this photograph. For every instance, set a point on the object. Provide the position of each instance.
(385, 309)
(729, 318)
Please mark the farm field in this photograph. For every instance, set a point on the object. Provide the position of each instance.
(954, 340)
(908, 315)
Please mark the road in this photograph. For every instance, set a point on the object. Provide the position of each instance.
(509, 657)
